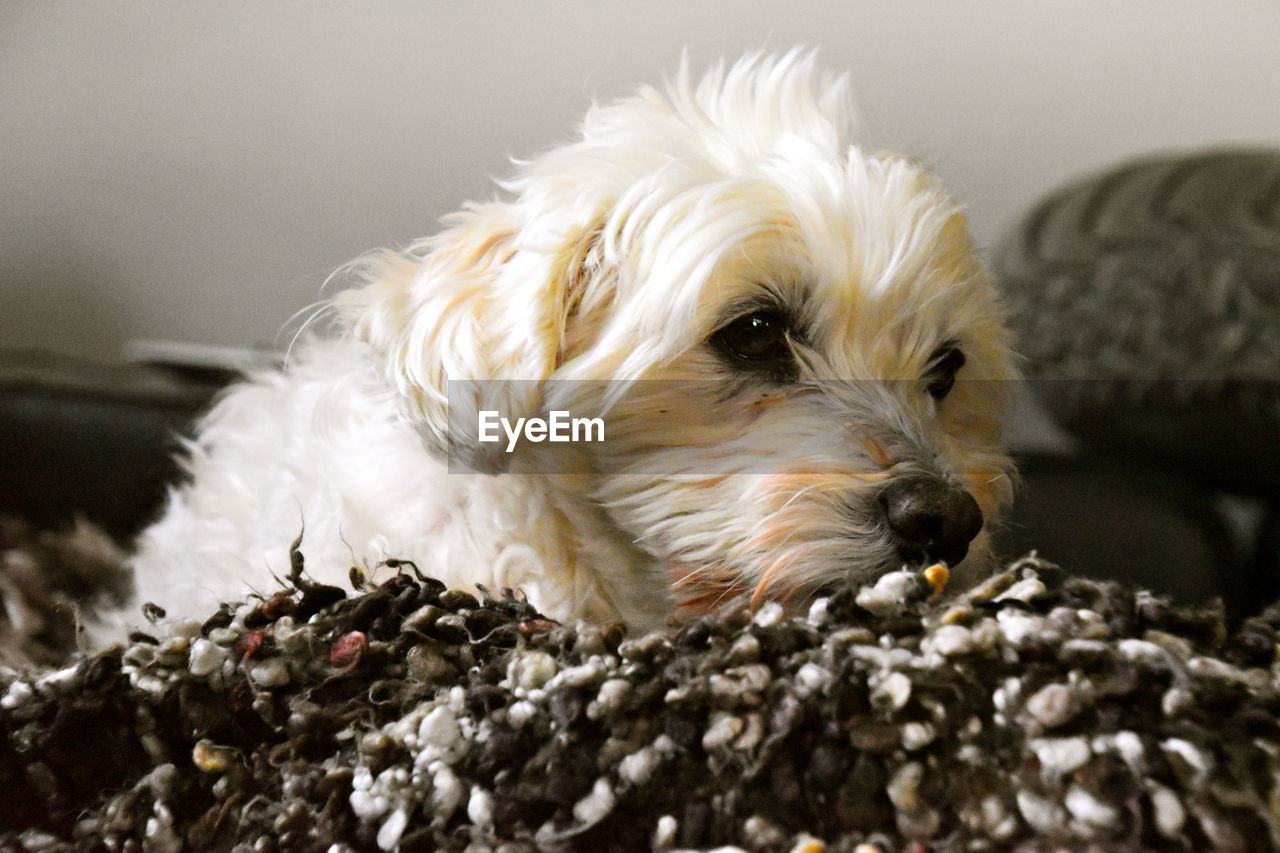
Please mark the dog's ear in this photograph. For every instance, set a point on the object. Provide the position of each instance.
(471, 319)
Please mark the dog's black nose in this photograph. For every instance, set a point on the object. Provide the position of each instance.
(931, 518)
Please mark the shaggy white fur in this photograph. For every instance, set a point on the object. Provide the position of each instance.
(797, 307)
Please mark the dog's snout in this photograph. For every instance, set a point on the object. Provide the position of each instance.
(931, 518)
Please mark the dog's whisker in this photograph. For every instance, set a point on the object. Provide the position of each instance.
(685, 576)
(762, 586)
(871, 445)
(772, 535)
(711, 598)
(786, 597)
(318, 309)
(823, 485)
(319, 303)
(689, 578)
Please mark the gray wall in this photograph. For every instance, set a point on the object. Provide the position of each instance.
(193, 170)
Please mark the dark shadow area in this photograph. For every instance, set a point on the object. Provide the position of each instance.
(90, 440)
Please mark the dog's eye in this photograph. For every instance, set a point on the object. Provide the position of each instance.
(757, 337)
(943, 367)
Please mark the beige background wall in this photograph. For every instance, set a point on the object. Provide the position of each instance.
(192, 171)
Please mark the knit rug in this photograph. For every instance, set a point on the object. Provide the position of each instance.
(1036, 712)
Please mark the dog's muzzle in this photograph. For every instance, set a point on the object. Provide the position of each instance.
(931, 519)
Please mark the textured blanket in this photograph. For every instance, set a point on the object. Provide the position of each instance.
(1036, 712)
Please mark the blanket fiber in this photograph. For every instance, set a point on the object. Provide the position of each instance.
(1036, 712)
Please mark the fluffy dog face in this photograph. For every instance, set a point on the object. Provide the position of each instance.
(834, 363)
(829, 354)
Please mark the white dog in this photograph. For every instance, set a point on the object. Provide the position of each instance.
(807, 306)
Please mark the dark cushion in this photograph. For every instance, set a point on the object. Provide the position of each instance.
(1147, 303)
(93, 440)
(1147, 526)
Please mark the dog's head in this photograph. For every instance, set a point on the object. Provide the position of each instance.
(826, 353)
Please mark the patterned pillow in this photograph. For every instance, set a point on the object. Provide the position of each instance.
(1146, 301)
